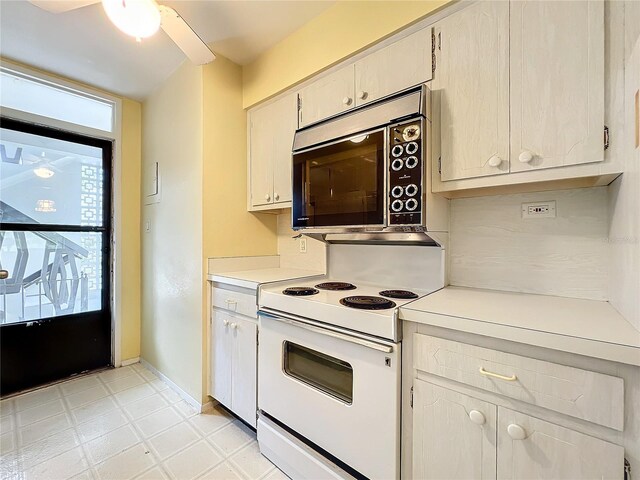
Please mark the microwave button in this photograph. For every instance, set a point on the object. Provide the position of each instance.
(397, 150)
(411, 162)
(411, 204)
(396, 205)
(397, 164)
(411, 190)
(412, 147)
(396, 192)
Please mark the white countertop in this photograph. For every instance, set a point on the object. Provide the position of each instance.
(587, 327)
(254, 278)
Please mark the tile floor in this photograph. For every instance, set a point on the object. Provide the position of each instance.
(123, 424)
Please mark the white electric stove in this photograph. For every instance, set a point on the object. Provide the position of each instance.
(329, 360)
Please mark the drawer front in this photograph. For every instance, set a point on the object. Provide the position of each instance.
(591, 396)
(238, 302)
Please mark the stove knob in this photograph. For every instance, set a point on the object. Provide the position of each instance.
(411, 190)
(396, 192)
(412, 147)
(411, 162)
(396, 205)
(397, 150)
(397, 164)
(411, 204)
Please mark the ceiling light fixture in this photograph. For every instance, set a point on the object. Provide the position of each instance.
(359, 138)
(43, 172)
(137, 18)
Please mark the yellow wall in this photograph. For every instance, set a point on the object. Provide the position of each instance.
(339, 32)
(172, 272)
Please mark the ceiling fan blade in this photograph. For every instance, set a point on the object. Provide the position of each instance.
(61, 6)
(182, 34)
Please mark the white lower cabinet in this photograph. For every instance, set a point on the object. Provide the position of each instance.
(234, 363)
(456, 436)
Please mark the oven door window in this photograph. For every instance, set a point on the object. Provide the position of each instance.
(323, 372)
(341, 184)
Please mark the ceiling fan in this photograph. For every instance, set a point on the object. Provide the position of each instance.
(141, 19)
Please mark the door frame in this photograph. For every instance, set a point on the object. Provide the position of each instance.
(115, 136)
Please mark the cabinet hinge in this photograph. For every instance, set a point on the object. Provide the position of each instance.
(299, 103)
(433, 52)
(606, 137)
(411, 397)
(627, 470)
(440, 165)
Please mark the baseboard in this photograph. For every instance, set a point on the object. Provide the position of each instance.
(200, 407)
(129, 361)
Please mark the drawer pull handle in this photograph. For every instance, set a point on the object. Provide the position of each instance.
(477, 417)
(512, 378)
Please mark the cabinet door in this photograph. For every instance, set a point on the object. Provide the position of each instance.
(454, 436)
(221, 357)
(471, 91)
(284, 121)
(327, 96)
(532, 448)
(244, 369)
(396, 67)
(557, 83)
(261, 147)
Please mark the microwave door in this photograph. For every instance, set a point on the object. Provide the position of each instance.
(340, 184)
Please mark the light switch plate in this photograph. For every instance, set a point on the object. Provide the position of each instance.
(539, 210)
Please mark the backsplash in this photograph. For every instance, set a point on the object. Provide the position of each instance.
(289, 251)
(492, 246)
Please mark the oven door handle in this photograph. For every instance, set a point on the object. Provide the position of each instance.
(326, 331)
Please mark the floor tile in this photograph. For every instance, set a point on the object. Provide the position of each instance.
(148, 375)
(37, 398)
(79, 384)
(6, 423)
(170, 395)
(159, 385)
(145, 406)
(209, 422)
(132, 394)
(122, 383)
(114, 373)
(158, 421)
(43, 428)
(232, 438)
(86, 475)
(111, 444)
(6, 407)
(174, 439)
(101, 425)
(276, 474)
(7, 442)
(155, 473)
(251, 462)
(193, 461)
(62, 466)
(41, 412)
(90, 395)
(9, 466)
(49, 447)
(223, 471)
(126, 465)
(91, 410)
(185, 408)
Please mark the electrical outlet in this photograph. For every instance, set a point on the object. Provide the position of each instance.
(539, 210)
(303, 245)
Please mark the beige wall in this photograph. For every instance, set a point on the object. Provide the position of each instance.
(172, 270)
(342, 30)
(289, 248)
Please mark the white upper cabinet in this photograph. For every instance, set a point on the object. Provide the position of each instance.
(271, 130)
(327, 96)
(471, 89)
(398, 66)
(557, 83)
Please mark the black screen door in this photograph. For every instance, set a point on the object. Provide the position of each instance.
(55, 238)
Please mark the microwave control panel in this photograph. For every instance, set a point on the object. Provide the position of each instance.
(405, 176)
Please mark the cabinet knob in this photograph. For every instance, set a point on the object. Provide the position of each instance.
(525, 157)
(495, 161)
(234, 326)
(347, 100)
(267, 197)
(276, 196)
(477, 417)
(362, 95)
(4, 274)
(516, 432)
(225, 322)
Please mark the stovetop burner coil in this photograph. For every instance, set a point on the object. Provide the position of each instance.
(365, 302)
(336, 286)
(300, 291)
(399, 294)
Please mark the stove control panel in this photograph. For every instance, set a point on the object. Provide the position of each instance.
(406, 167)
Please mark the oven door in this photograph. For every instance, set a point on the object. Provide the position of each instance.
(339, 391)
(341, 184)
